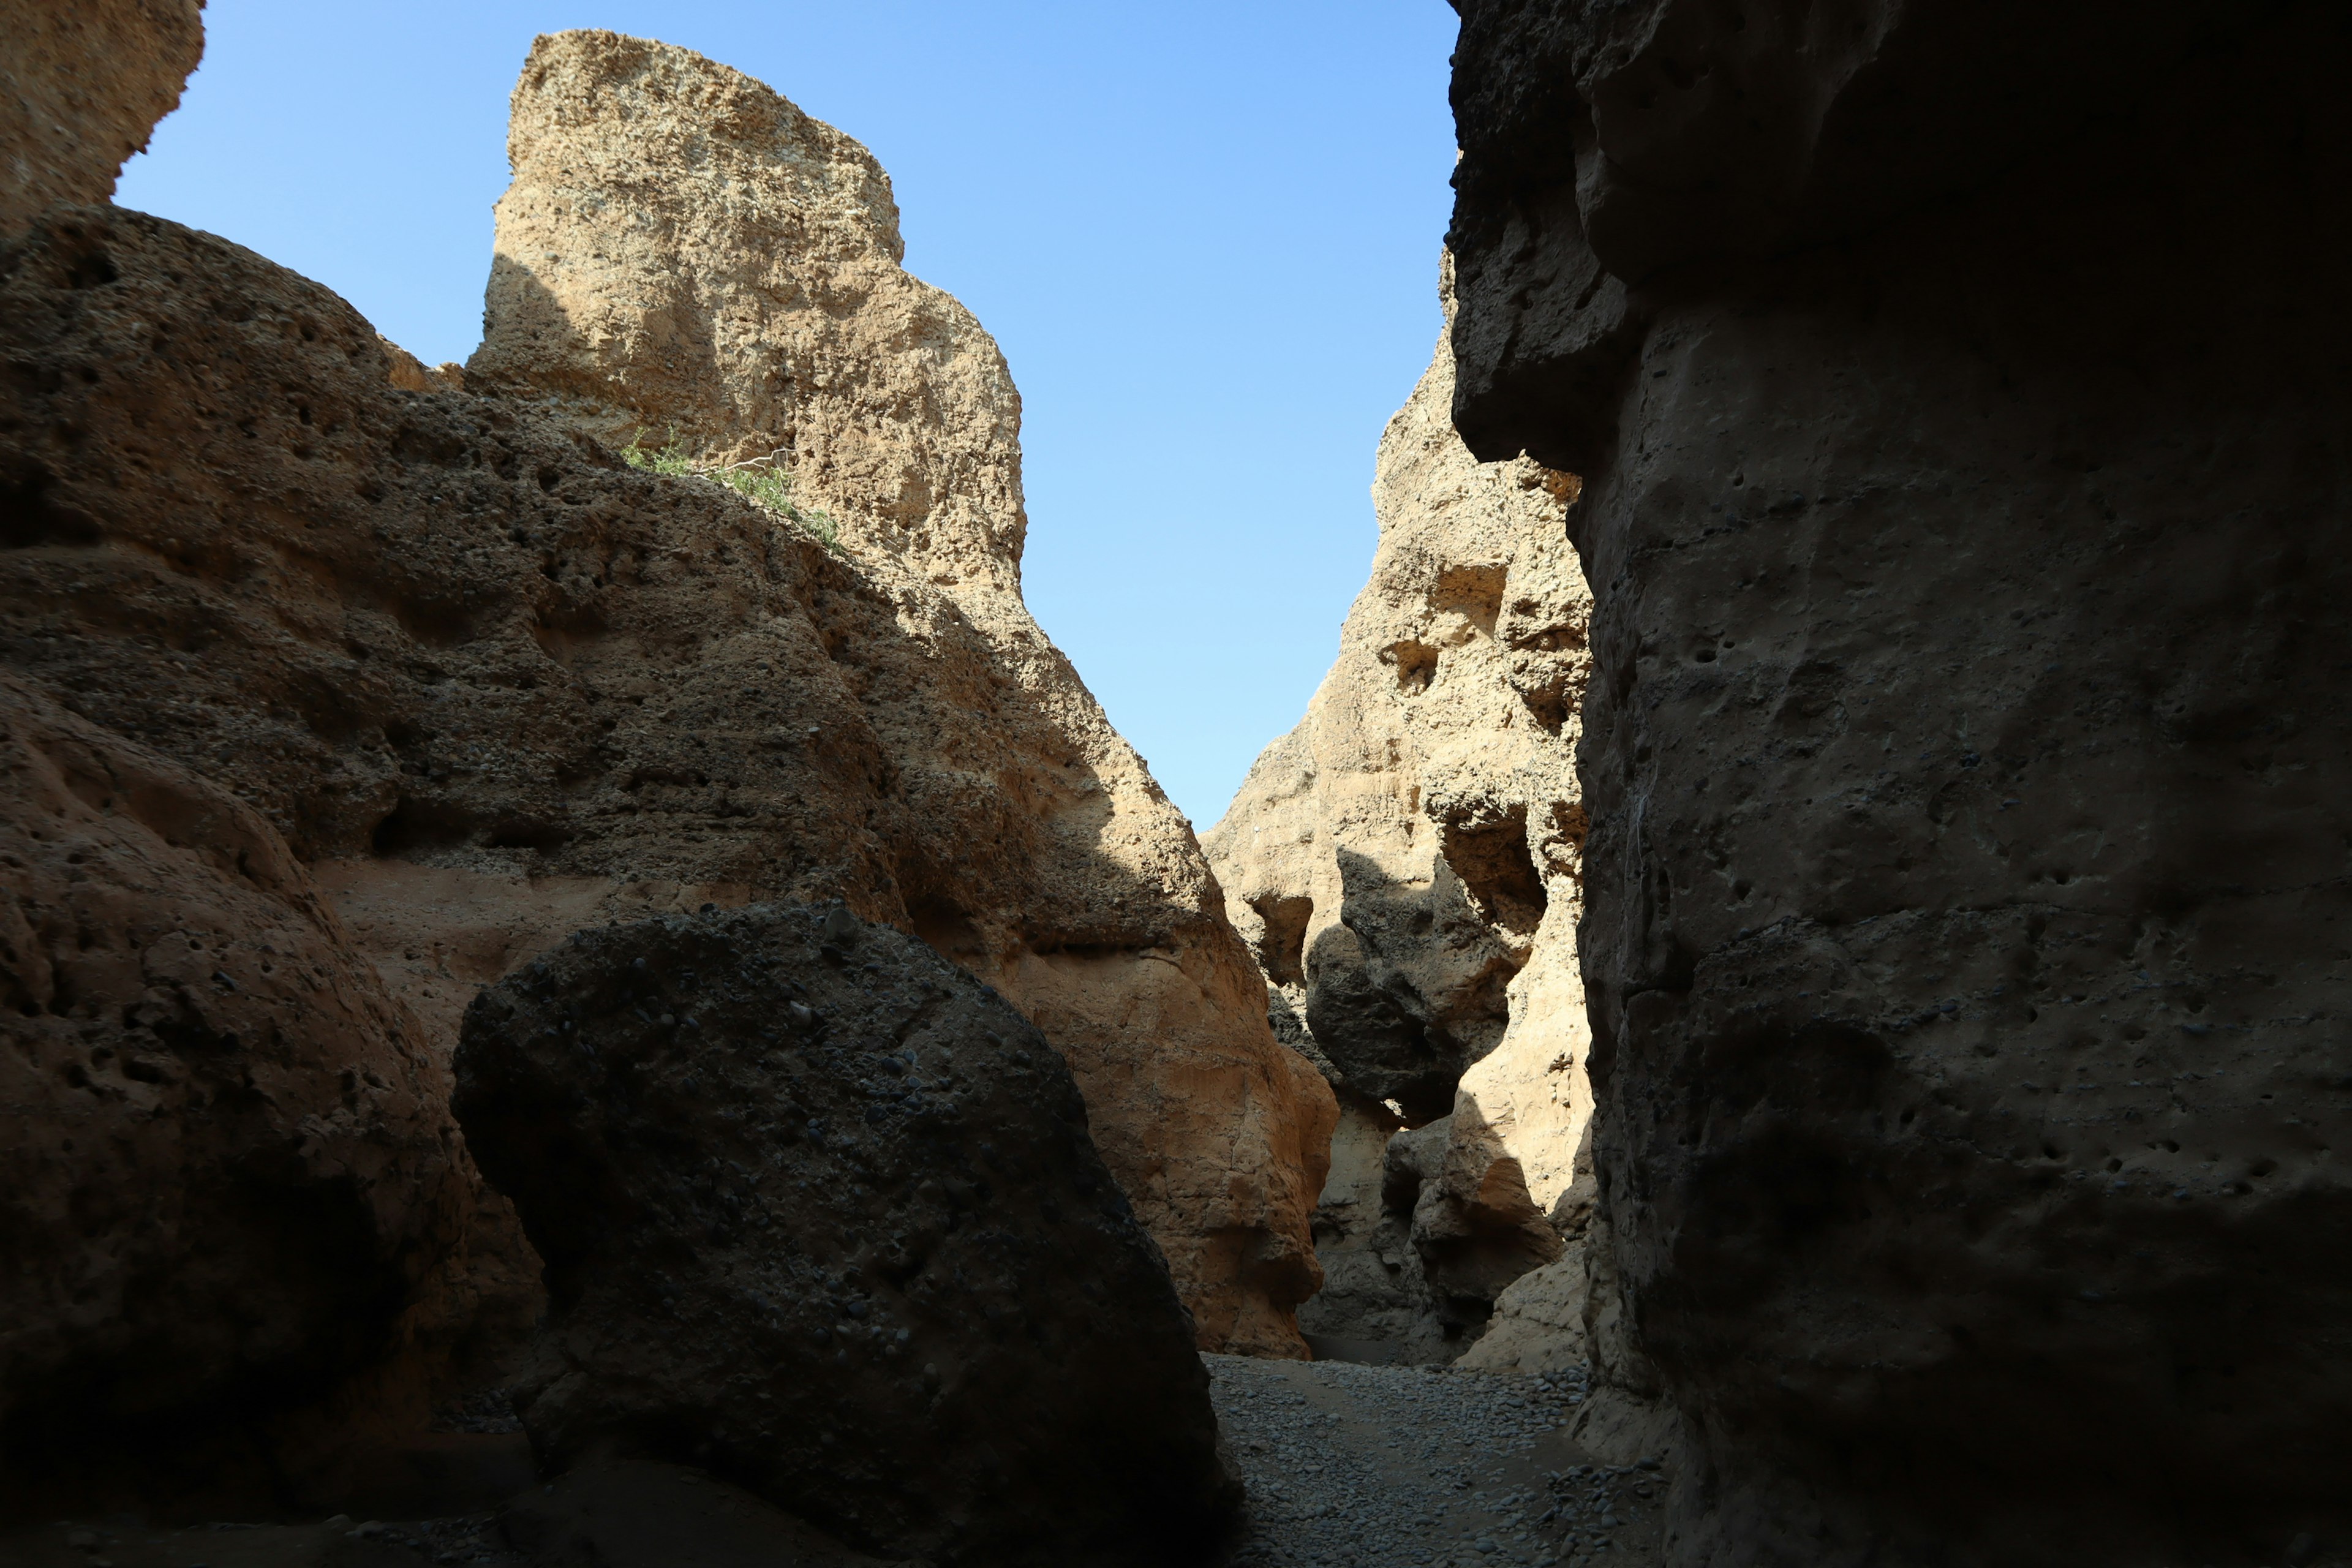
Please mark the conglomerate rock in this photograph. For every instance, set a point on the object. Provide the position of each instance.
(819, 1213)
(1965, 749)
(1404, 864)
(685, 254)
(82, 86)
(227, 1189)
(492, 685)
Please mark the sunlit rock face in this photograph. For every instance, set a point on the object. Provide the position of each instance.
(336, 692)
(1405, 866)
(686, 256)
(81, 87)
(1957, 393)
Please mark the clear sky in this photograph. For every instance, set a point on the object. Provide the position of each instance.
(1205, 232)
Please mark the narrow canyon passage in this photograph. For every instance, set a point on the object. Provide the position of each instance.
(1781, 1006)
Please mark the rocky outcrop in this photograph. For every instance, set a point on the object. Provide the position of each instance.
(82, 86)
(1404, 864)
(208, 1088)
(682, 253)
(477, 683)
(819, 1213)
(490, 685)
(1965, 746)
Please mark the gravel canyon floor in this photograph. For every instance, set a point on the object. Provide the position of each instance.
(1345, 1464)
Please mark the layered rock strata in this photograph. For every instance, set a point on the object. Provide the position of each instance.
(1965, 751)
(1405, 866)
(821, 1213)
(686, 257)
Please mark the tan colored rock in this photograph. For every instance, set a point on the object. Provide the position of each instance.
(682, 252)
(493, 685)
(410, 374)
(83, 83)
(1537, 1328)
(1405, 866)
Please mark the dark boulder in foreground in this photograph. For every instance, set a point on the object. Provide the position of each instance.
(821, 1214)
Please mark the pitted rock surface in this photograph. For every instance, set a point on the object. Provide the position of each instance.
(1964, 749)
(492, 685)
(228, 1185)
(820, 1212)
(682, 252)
(81, 87)
(1406, 864)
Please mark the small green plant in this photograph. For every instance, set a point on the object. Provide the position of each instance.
(756, 480)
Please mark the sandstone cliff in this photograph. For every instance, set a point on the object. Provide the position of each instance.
(1405, 865)
(81, 85)
(1966, 747)
(479, 682)
(684, 253)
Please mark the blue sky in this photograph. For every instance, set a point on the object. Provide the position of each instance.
(1206, 235)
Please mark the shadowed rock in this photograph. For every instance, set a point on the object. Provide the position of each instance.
(1965, 749)
(820, 1212)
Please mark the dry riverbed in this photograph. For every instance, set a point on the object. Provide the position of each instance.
(1404, 1467)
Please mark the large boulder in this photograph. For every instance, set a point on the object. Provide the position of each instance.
(819, 1213)
(1959, 391)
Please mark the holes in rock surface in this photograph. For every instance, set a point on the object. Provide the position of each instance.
(415, 828)
(1475, 592)
(91, 269)
(32, 515)
(1282, 952)
(528, 833)
(1415, 665)
(946, 927)
(1490, 855)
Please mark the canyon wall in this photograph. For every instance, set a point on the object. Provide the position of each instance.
(686, 258)
(1958, 395)
(1405, 867)
(80, 88)
(447, 679)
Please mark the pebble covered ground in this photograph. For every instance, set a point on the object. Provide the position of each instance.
(1350, 1466)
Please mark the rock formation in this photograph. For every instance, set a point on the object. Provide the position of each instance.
(80, 88)
(682, 253)
(819, 1213)
(479, 683)
(1404, 864)
(1958, 396)
(208, 1089)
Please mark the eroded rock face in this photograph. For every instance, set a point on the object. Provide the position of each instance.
(229, 1191)
(1404, 864)
(821, 1213)
(1963, 754)
(82, 86)
(682, 252)
(494, 685)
